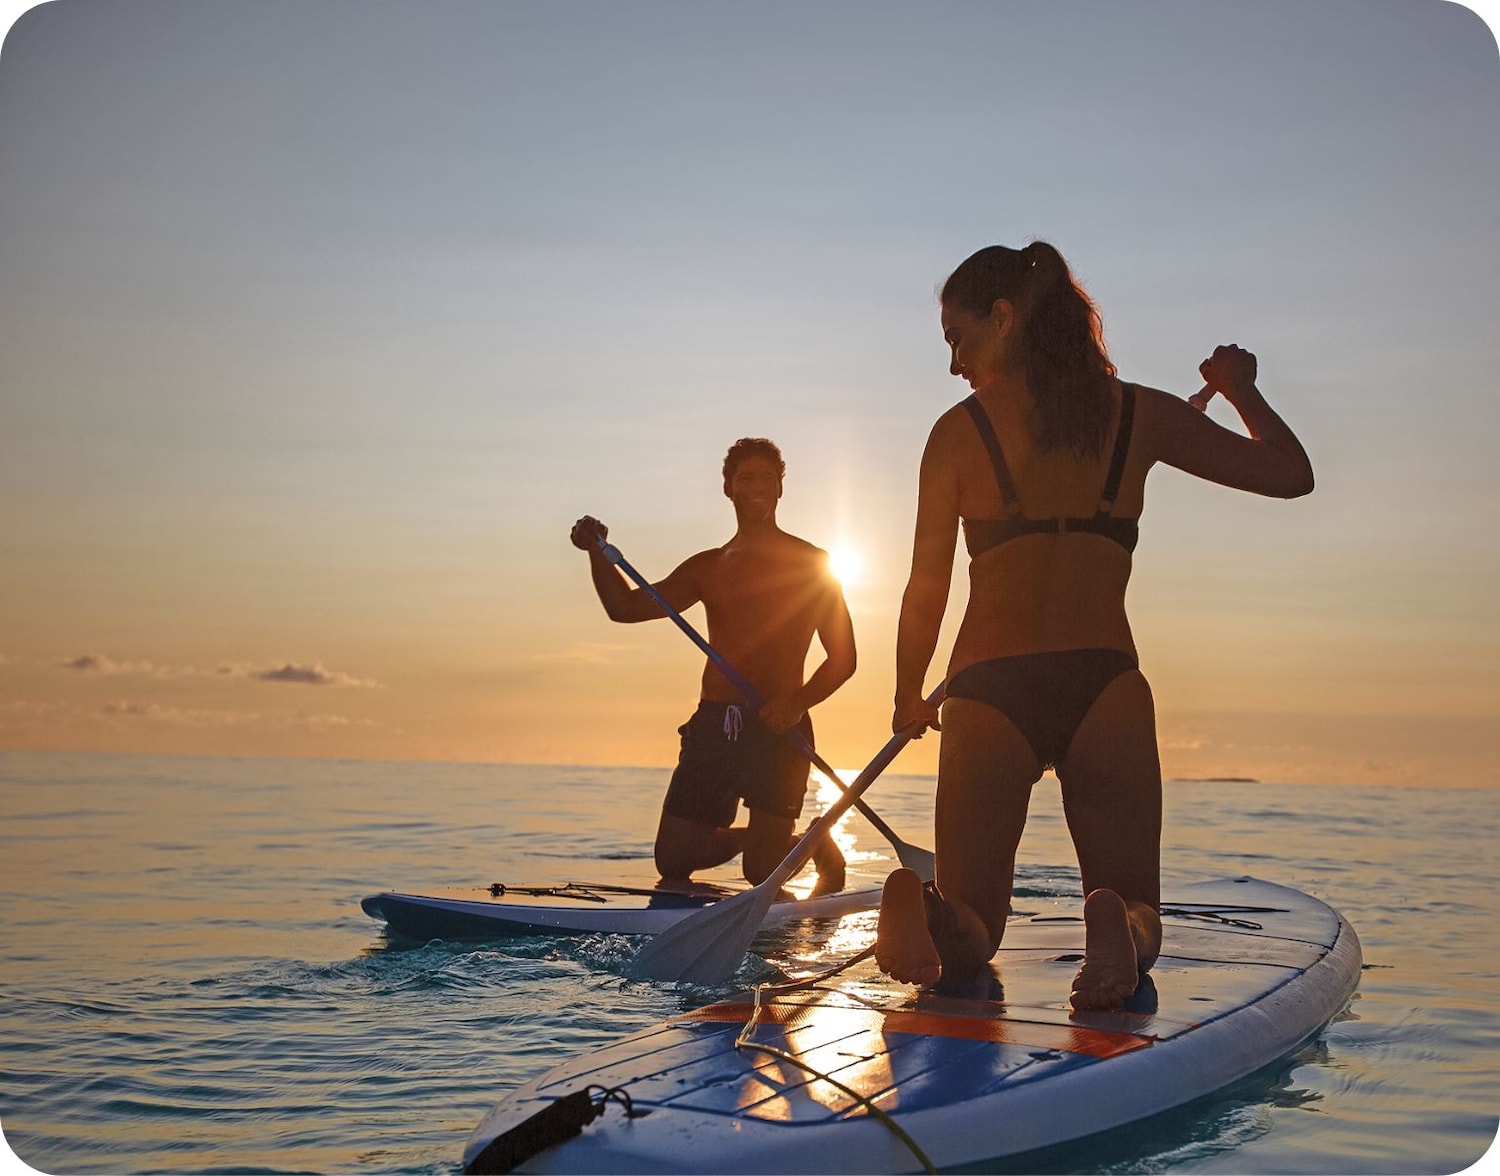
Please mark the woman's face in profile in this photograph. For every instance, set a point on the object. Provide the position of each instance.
(977, 345)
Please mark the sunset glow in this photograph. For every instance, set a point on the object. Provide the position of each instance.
(304, 381)
(847, 564)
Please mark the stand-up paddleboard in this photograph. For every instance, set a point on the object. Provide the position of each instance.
(643, 908)
(873, 1077)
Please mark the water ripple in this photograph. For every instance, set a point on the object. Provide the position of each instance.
(191, 987)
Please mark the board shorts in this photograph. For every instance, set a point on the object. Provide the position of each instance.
(729, 755)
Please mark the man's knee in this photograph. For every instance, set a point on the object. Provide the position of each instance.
(671, 862)
(676, 842)
(683, 846)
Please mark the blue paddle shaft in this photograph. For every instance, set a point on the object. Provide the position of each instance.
(736, 679)
(803, 849)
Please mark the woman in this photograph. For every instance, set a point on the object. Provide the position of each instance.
(1045, 466)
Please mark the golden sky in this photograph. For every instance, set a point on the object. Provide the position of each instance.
(320, 325)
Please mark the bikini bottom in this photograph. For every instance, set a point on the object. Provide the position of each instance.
(1046, 695)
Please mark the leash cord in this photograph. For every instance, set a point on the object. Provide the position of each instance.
(742, 1042)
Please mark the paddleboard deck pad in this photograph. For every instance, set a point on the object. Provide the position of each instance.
(876, 1077)
(575, 908)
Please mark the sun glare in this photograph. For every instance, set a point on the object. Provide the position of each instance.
(846, 564)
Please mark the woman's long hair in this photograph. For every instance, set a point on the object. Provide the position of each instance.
(1060, 336)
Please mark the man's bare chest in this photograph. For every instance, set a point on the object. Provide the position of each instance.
(732, 585)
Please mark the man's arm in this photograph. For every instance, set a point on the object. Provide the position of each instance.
(836, 634)
(622, 602)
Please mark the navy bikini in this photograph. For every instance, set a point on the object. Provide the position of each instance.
(982, 534)
(1046, 695)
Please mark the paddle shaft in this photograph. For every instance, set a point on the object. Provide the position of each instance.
(708, 945)
(797, 858)
(743, 684)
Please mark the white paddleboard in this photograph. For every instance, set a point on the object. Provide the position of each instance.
(621, 908)
(1248, 972)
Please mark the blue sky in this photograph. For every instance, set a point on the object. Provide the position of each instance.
(321, 322)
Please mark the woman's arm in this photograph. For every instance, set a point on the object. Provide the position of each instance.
(1270, 461)
(926, 596)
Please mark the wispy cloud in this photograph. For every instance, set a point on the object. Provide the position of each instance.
(327, 722)
(98, 663)
(309, 675)
(31, 707)
(158, 712)
(295, 673)
(131, 711)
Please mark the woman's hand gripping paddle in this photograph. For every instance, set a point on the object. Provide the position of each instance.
(708, 945)
(913, 857)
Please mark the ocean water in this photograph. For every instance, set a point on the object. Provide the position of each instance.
(189, 984)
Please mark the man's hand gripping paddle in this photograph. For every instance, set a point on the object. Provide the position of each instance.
(913, 857)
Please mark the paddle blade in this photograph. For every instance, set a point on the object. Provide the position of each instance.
(915, 858)
(709, 945)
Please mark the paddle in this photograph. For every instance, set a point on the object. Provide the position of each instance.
(707, 946)
(913, 857)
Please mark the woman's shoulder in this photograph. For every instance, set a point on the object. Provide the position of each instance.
(1153, 407)
(1156, 399)
(948, 439)
(954, 421)
(1144, 393)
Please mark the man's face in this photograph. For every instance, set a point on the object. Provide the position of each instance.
(754, 488)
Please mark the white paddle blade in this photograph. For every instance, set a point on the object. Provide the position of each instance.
(709, 946)
(921, 861)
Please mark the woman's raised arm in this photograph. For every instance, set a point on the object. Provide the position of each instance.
(1270, 461)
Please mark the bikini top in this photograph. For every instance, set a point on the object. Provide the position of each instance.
(982, 534)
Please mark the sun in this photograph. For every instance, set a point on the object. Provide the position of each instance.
(845, 563)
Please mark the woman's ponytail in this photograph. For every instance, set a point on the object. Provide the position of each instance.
(1061, 338)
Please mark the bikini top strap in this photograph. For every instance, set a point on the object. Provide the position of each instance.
(1008, 497)
(1122, 449)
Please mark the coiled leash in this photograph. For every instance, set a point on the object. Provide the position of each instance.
(742, 1042)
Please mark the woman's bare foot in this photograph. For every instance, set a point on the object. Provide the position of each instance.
(903, 944)
(1109, 973)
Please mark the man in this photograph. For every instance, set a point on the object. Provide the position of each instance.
(765, 593)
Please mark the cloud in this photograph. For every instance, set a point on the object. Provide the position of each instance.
(296, 673)
(27, 706)
(97, 663)
(125, 711)
(309, 675)
(327, 722)
(157, 712)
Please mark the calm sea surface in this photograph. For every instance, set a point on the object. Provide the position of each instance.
(189, 984)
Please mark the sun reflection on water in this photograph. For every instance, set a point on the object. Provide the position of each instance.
(823, 793)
